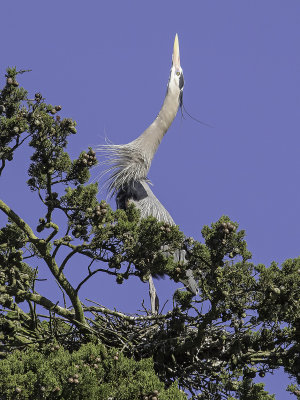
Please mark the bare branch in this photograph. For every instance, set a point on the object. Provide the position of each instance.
(105, 310)
(92, 273)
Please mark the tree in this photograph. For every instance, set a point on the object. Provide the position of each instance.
(244, 322)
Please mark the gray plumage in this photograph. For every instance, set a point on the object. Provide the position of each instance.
(128, 164)
(140, 194)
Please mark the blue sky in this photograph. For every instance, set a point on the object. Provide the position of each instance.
(107, 64)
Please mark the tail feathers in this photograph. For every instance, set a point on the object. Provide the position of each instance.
(190, 282)
(180, 258)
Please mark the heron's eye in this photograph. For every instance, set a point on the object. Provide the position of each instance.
(178, 73)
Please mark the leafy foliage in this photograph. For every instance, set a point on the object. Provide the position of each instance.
(91, 373)
(244, 322)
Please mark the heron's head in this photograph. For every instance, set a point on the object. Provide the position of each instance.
(176, 81)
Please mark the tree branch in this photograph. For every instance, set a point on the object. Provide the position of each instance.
(93, 273)
(44, 251)
(105, 310)
(55, 230)
(41, 300)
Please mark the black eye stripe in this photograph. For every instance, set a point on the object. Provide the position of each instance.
(181, 82)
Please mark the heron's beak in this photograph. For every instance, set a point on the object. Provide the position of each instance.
(176, 55)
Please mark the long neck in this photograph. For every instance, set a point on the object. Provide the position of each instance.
(150, 139)
(131, 162)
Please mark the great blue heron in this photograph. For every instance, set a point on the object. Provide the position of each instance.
(128, 164)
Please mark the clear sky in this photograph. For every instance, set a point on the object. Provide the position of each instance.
(107, 64)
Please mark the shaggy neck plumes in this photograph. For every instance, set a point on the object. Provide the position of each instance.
(131, 162)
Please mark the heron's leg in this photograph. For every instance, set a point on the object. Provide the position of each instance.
(153, 296)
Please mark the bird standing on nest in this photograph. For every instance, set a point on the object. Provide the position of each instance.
(128, 166)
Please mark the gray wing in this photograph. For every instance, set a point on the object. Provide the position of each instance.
(140, 194)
